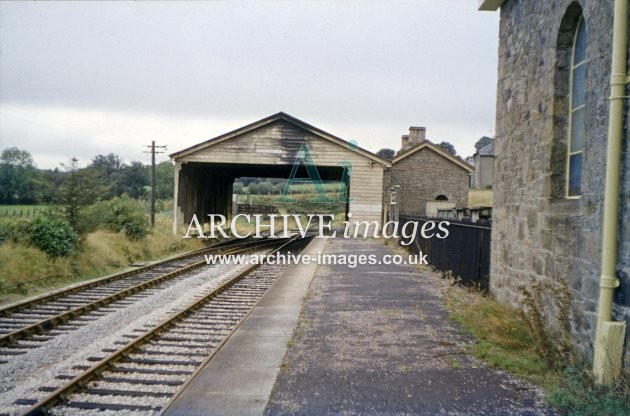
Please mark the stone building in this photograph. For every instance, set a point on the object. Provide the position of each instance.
(483, 176)
(428, 177)
(552, 133)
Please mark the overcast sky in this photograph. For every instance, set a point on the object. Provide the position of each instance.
(87, 78)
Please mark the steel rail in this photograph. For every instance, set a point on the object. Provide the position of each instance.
(171, 258)
(94, 372)
(4, 311)
(59, 319)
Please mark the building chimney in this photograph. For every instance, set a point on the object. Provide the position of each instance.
(405, 142)
(416, 135)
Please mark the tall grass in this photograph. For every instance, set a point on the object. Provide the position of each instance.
(102, 252)
(506, 340)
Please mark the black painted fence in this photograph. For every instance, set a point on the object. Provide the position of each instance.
(465, 252)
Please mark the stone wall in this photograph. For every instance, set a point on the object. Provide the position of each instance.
(483, 177)
(425, 175)
(539, 235)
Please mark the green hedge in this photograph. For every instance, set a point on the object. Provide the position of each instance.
(120, 214)
(54, 236)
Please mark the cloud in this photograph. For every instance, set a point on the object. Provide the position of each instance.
(181, 72)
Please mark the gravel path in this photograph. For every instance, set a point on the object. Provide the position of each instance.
(24, 374)
(376, 340)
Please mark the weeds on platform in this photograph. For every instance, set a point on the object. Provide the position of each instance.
(578, 395)
(543, 300)
(504, 338)
(508, 339)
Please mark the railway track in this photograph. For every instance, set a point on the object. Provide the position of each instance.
(26, 325)
(152, 363)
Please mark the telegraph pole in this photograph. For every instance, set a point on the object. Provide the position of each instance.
(153, 151)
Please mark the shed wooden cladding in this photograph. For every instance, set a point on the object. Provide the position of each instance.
(204, 173)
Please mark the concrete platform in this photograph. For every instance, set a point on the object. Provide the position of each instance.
(375, 339)
(239, 378)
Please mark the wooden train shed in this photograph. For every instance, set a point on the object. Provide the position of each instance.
(270, 148)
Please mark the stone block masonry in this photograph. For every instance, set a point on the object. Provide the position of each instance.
(425, 173)
(424, 176)
(539, 235)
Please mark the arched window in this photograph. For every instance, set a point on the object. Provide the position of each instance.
(441, 198)
(576, 131)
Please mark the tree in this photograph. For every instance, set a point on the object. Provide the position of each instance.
(264, 188)
(16, 157)
(20, 181)
(80, 188)
(252, 188)
(483, 142)
(118, 178)
(448, 147)
(386, 153)
(52, 180)
(107, 165)
(132, 180)
(165, 177)
(109, 168)
(237, 187)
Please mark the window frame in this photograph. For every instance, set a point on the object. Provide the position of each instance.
(572, 70)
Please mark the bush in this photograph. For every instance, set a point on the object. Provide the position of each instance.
(13, 229)
(54, 236)
(121, 214)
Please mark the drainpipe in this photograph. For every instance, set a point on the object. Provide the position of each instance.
(610, 335)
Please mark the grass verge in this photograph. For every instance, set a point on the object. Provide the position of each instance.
(505, 341)
(102, 253)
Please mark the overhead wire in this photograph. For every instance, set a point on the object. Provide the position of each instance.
(12, 110)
